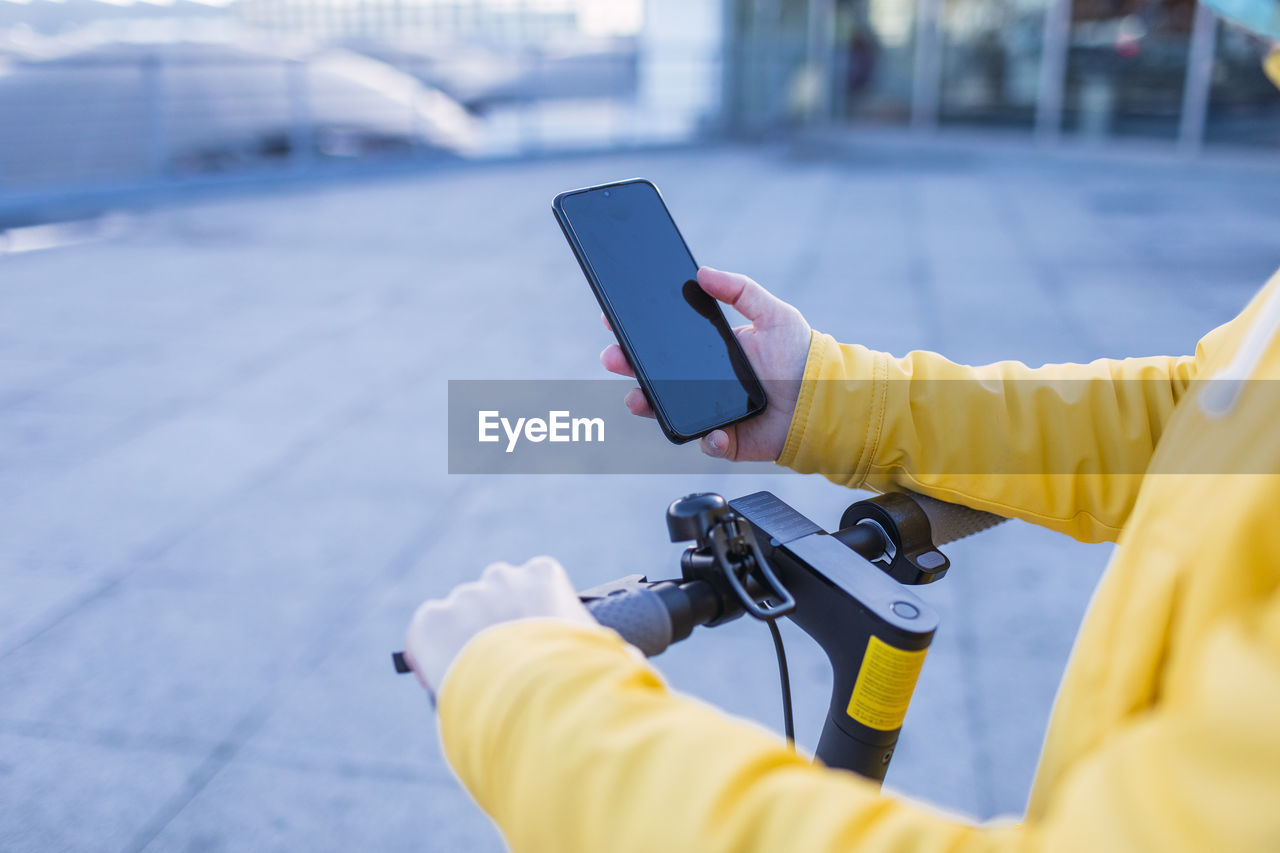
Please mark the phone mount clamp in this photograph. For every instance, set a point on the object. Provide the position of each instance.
(725, 555)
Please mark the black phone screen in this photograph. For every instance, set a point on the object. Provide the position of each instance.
(684, 353)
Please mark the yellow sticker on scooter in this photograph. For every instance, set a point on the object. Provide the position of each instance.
(884, 686)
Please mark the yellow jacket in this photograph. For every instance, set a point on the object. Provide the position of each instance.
(1166, 733)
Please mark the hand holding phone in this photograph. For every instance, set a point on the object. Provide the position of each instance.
(776, 344)
(696, 378)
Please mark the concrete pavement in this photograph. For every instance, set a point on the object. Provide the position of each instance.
(224, 487)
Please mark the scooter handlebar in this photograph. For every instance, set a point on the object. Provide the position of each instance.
(640, 616)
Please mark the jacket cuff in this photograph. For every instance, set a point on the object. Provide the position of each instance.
(836, 428)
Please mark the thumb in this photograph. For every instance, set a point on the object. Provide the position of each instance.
(754, 302)
(719, 444)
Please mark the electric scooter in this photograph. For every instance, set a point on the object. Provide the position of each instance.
(848, 590)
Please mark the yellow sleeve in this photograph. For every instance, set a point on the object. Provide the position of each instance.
(574, 746)
(1063, 446)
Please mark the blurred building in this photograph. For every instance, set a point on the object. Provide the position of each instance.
(1098, 69)
(139, 95)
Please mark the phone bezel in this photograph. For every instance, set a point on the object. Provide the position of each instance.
(619, 328)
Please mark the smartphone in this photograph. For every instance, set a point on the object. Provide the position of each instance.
(686, 358)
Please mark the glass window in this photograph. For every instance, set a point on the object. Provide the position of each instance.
(874, 58)
(1126, 67)
(991, 51)
(1244, 105)
(768, 52)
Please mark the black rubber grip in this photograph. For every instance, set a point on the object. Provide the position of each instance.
(950, 522)
(639, 615)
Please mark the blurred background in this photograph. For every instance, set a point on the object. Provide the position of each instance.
(140, 95)
(244, 245)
